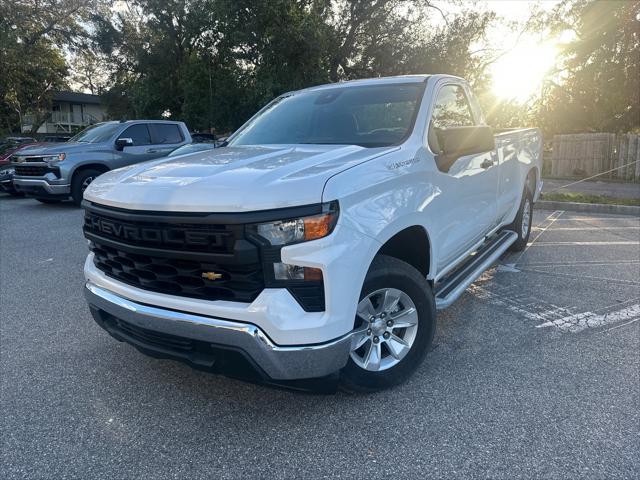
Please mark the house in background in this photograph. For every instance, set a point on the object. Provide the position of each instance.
(70, 113)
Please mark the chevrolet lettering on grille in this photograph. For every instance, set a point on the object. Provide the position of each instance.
(150, 234)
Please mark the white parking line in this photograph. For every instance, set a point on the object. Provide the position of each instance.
(550, 221)
(581, 321)
(585, 263)
(557, 244)
(572, 229)
(607, 219)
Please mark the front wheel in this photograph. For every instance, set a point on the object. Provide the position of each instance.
(394, 327)
(80, 182)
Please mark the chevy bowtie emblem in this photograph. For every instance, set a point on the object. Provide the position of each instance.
(211, 275)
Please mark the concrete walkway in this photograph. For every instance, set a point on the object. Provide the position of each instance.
(608, 189)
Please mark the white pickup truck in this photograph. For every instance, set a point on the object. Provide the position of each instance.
(320, 241)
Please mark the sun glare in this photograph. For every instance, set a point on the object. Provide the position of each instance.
(519, 74)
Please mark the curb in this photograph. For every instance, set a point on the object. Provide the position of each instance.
(589, 207)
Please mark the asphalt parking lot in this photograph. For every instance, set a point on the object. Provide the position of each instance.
(534, 373)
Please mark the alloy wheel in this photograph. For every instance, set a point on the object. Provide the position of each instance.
(387, 327)
(526, 218)
(86, 183)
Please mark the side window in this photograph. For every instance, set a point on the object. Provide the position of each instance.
(451, 108)
(166, 133)
(475, 108)
(138, 133)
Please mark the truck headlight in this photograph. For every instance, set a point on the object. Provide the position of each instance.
(51, 159)
(296, 230)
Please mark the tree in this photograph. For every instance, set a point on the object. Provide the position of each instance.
(88, 70)
(33, 34)
(215, 62)
(597, 86)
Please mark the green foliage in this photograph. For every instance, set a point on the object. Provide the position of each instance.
(598, 85)
(32, 34)
(588, 198)
(212, 63)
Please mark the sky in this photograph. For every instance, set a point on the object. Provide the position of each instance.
(518, 74)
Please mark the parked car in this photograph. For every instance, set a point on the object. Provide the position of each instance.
(6, 180)
(6, 170)
(203, 137)
(9, 144)
(10, 149)
(57, 138)
(16, 140)
(192, 148)
(321, 241)
(57, 172)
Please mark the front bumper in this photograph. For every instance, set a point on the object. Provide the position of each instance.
(39, 187)
(6, 184)
(199, 339)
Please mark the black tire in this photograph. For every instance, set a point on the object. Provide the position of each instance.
(15, 193)
(80, 182)
(48, 200)
(518, 224)
(389, 272)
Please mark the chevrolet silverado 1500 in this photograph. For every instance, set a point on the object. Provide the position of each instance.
(321, 240)
(56, 172)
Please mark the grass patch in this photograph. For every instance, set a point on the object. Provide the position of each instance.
(587, 198)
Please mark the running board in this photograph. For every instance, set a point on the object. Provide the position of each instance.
(452, 286)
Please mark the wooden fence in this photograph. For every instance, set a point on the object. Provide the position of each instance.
(588, 154)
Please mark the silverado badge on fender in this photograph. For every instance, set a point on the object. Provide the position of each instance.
(211, 275)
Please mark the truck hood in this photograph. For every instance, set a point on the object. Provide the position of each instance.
(63, 147)
(231, 179)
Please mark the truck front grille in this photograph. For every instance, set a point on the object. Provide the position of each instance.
(175, 276)
(32, 170)
(175, 255)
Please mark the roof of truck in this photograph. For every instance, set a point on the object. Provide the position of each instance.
(404, 79)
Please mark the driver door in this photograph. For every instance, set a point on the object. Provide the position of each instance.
(141, 149)
(467, 205)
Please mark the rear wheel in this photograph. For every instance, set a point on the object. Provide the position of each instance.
(394, 327)
(522, 224)
(80, 182)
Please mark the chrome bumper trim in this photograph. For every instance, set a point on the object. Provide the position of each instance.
(52, 189)
(280, 362)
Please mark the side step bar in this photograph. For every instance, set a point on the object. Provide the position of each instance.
(452, 286)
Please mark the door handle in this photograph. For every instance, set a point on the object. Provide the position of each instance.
(152, 150)
(487, 163)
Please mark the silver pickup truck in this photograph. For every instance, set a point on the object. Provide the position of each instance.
(56, 172)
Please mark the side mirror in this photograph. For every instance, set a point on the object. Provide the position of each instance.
(123, 142)
(456, 142)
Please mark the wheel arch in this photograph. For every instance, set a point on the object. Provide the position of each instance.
(532, 179)
(412, 245)
(90, 166)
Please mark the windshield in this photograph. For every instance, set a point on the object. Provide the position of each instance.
(369, 116)
(191, 148)
(100, 132)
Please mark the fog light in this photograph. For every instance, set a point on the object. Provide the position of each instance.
(284, 271)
